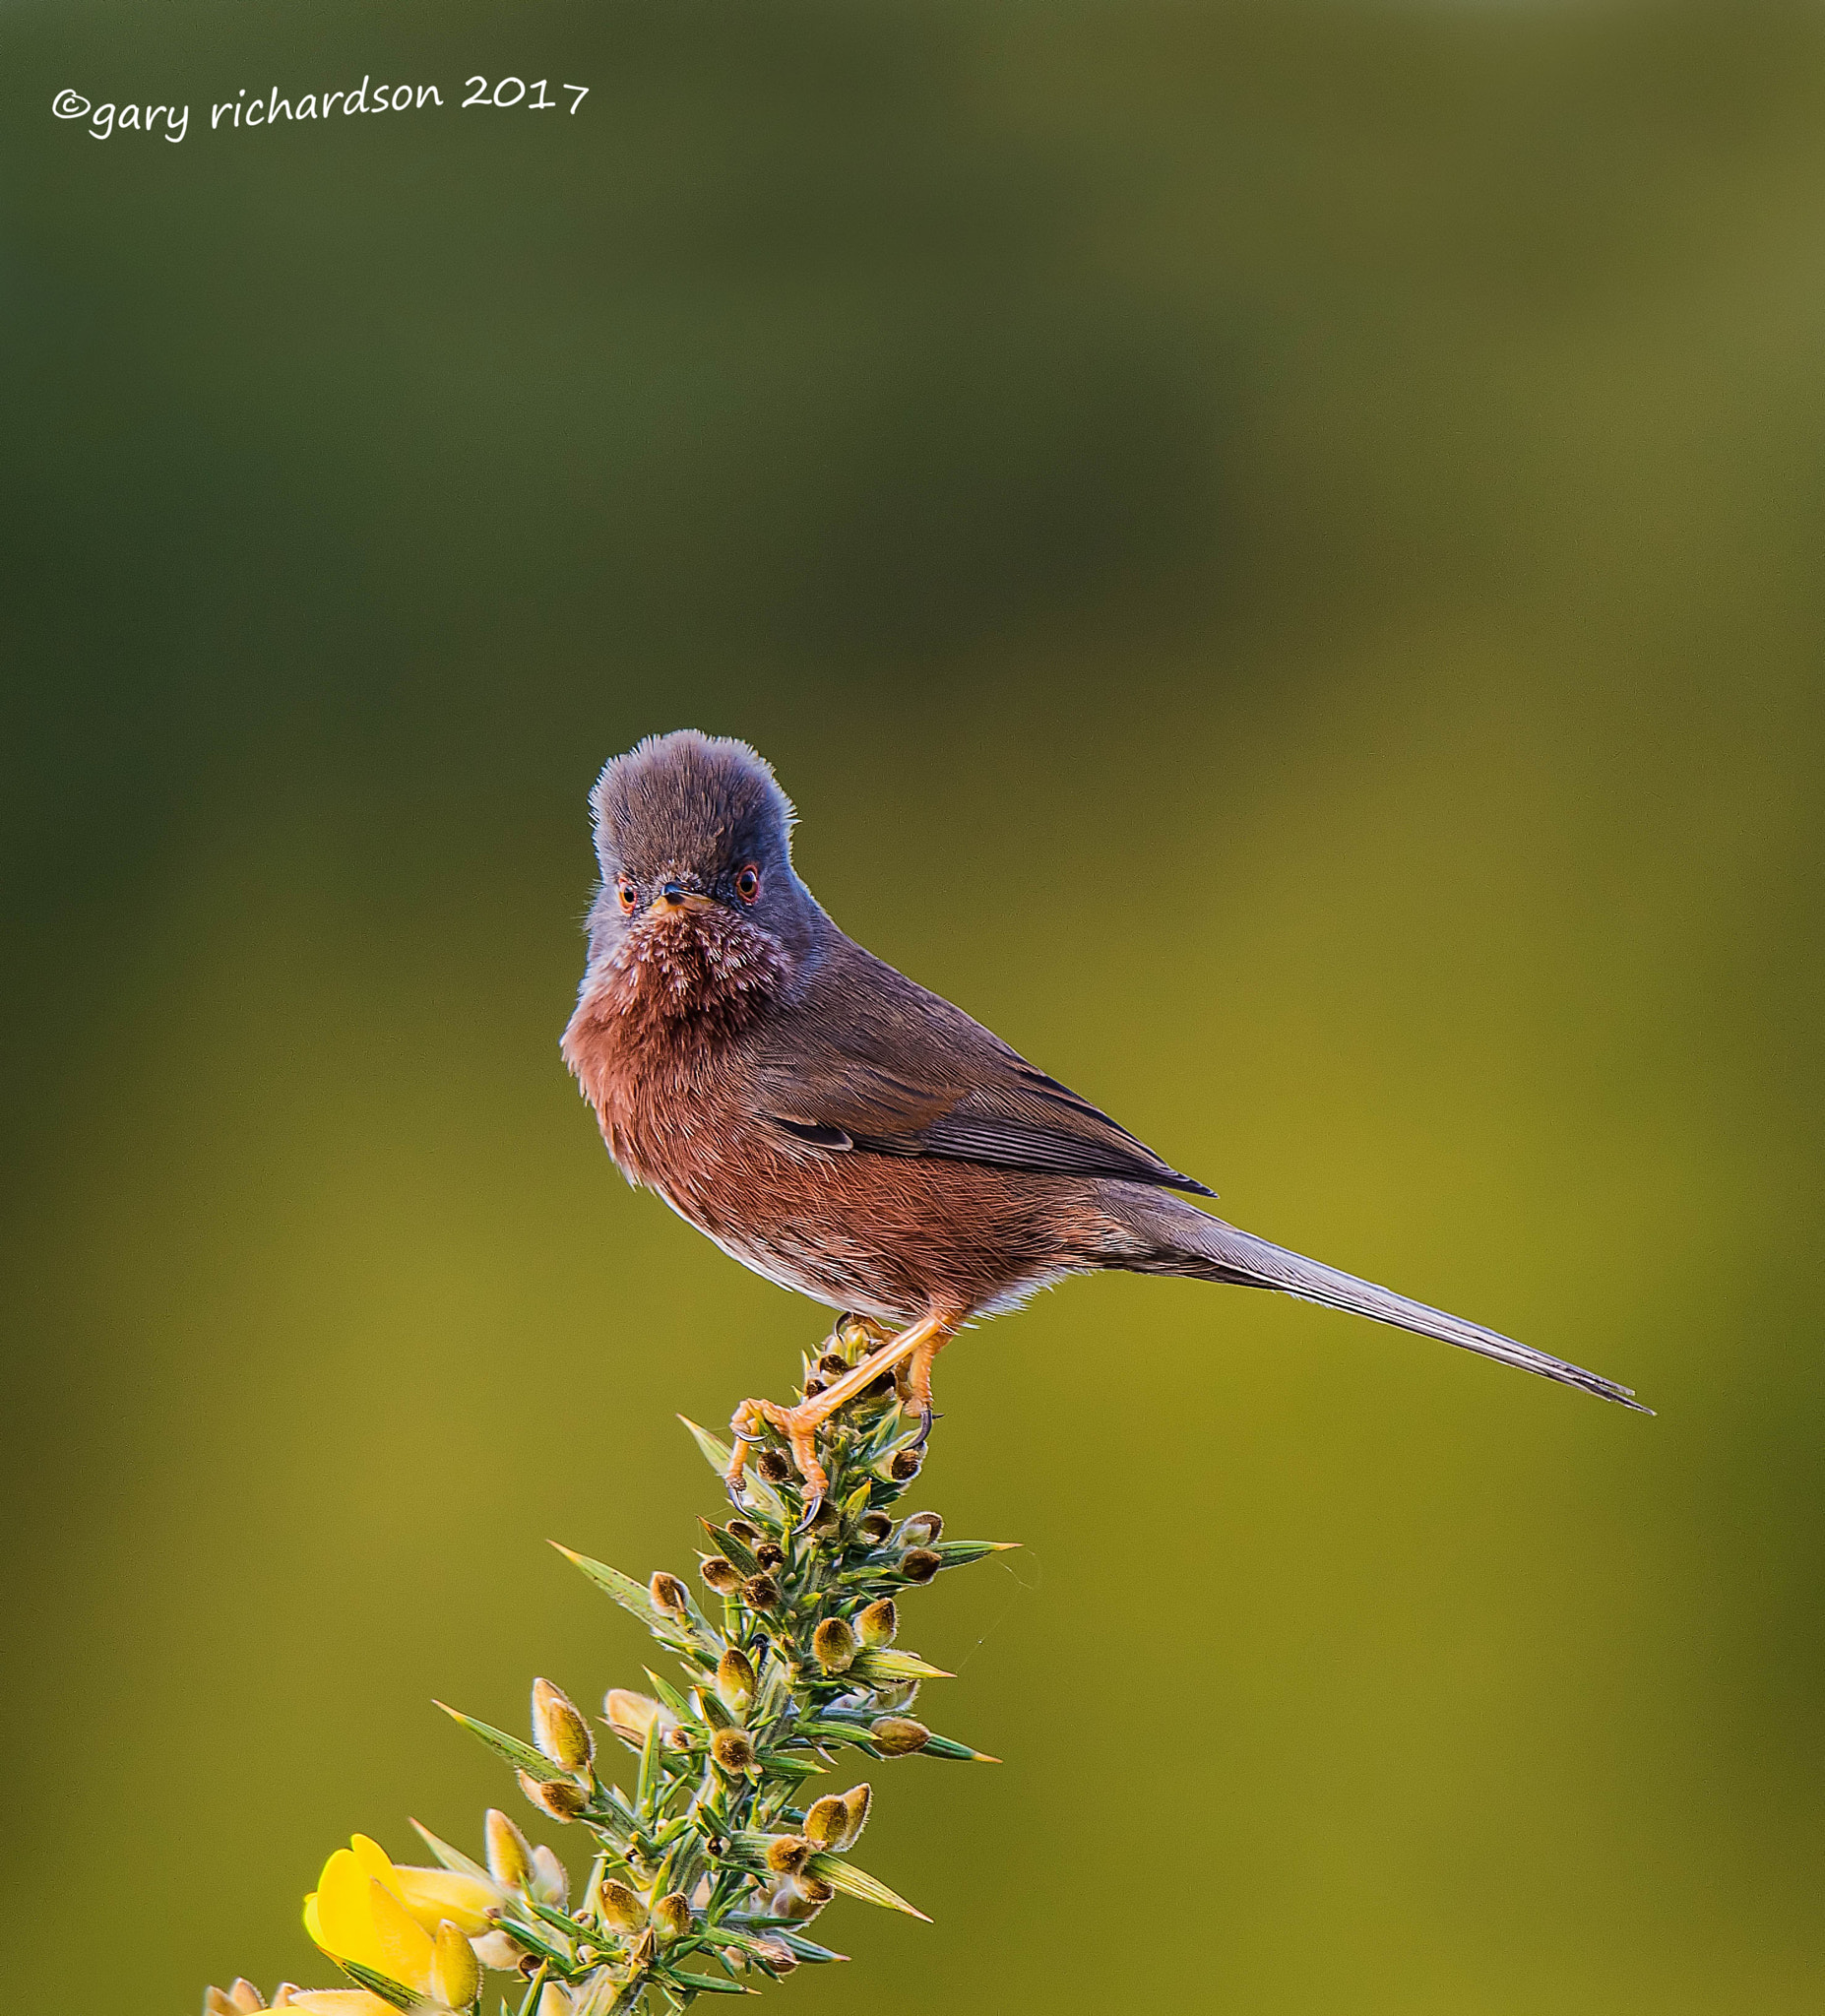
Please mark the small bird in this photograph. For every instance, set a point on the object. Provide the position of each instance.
(850, 1135)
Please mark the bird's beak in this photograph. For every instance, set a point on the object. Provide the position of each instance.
(669, 902)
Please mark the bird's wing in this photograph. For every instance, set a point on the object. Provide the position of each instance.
(870, 1061)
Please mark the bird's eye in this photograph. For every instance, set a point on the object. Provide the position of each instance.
(628, 895)
(747, 884)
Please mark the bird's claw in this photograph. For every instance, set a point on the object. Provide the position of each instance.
(814, 1505)
(925, 1419)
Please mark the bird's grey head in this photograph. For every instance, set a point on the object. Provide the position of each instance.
(692, 831)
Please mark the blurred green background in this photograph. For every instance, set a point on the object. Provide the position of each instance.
(1277, 547)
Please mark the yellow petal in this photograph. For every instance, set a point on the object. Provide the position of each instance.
(336, 1916)
(455, 1973)
(401, 1944)
(373, 1858)
(434, 1894)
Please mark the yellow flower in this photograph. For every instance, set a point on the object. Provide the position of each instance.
(413, 1925)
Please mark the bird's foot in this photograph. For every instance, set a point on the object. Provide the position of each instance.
(798, 1426)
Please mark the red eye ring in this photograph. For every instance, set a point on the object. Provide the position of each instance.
(748, 884)
(627, 895)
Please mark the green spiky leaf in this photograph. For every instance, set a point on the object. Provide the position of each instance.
(959, 1554)
(854, 1882)
(453, 1859)
(377, 1983)
(522, 1756)
(889, 1669)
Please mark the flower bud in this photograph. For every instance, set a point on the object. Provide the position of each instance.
(238, 1999)
(904, 1466)
(878, 1624)
(631, 1715)
(744, 1529)
(559, 1800)
(761, 1593)
(510, 1853)
(498, 1951)
(672, 1915)
(455, 1973)
(920, 1529)
(554, 2000)
(733, 1749)
(773, 1465)
(872, 1527)
(621, 1908)
(720, 1574)
(550, 1882)
(855, 1802)
(668, 1594)
(833, 1645)
(813, 1889)
(812, 1388)
(899, 1735)
(775, 1954)
(788, 1854)
(560, 1732)
(919, 1564)
(735, 1680)
(833, 1364)
(827, 1823)
(770, 1554)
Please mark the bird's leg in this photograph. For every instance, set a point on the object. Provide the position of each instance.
(800, 1425)
(919, 1382)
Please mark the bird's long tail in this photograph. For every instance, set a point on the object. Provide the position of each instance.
(1189, 1241)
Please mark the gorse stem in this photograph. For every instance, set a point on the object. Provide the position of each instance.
(709, 1867)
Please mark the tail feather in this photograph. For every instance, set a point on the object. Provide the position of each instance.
(1209, 1250)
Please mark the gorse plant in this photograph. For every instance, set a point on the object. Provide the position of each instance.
(707, 1868)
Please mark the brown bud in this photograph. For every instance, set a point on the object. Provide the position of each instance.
(735, 1680)
(833, 1364)
(813, 1889)
(774, 1954)
(748, 1534)
(670, 1595)
(855, 1802)
(899, 1735)
(773, 1465)
(672, 1915)
(770, 1554)
(559, 1798)
(720, 1574)
(833, 1645)
(919, 1564)
(812, 1388)
(560, 1732)
(920, 1529)
(621, 1908)
(872, 1527)
(827, 1823)
(733, 1750)
(904, 1466)
(878, 1624)
(788, 1854)
(510, 1853)
(761, 1593)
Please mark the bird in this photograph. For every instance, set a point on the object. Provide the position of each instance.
(852, 1136)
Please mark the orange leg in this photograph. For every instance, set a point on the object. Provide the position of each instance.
(919, 1381)
(921, 1342)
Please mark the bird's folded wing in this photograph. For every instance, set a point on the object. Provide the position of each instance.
(887, 1068)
